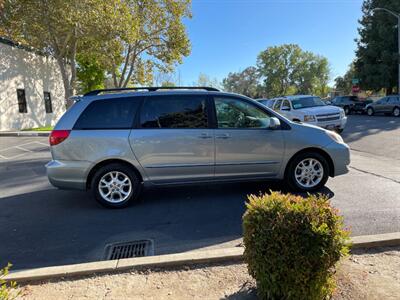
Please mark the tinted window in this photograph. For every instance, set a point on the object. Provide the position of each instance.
(179, 111)
(236, 113)
(277, 105)
(394, 99)
(108, 114)
(22, 107)
(47, 102)
(307, 102)
(286, 103)
(383, 100)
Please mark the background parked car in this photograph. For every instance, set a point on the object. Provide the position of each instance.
(310, 109)
(387, 105)
(266, 102)
(350, 104)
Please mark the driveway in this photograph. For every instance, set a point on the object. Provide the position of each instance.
(43, 226)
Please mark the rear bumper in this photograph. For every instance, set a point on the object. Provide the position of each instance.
(340, 155)
(68, 174)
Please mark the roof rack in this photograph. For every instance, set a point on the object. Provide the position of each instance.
(152, 89)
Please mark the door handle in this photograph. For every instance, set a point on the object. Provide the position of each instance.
(205, 136)
(223, 136)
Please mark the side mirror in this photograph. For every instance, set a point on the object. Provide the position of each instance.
(274, 123)
(285, 108)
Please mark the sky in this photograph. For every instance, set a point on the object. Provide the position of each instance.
(227, 35)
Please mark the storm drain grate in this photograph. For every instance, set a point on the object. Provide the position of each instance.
(129, 249)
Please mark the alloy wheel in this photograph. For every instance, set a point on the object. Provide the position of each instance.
(115, 187)
(309, 173)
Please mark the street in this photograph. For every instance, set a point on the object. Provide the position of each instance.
(42, 226)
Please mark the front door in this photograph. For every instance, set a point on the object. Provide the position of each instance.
(174, 142)
(245, 146)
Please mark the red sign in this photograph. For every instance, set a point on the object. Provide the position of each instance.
(355, 89)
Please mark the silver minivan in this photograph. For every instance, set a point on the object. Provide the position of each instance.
(116, 141)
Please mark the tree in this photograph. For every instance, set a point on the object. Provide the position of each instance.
(156, 40)
(377, 59)
(344, 83)
(246, 82)
(287, 69)
(205, 80)
(90, 73)
(62, 28)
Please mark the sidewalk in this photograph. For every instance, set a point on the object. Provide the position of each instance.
(369, 274)
(24, 133)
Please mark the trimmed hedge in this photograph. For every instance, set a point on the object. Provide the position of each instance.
(292, 244)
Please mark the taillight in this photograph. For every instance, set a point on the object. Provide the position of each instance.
(58, 136)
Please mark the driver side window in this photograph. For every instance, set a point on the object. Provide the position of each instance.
(236, 113)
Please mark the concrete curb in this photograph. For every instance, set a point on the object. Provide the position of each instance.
(25, 133)
(178, 259)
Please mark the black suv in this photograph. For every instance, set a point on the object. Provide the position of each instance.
(350, 104)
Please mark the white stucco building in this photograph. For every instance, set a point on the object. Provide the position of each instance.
(31, 88)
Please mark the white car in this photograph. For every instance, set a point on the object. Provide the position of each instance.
(309, 109)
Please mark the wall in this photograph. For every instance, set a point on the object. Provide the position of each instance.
(22, 69)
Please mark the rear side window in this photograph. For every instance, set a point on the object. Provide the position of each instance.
(277, 105)
(175, 111)
(108, 114)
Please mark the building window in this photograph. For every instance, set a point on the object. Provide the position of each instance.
(47, 102)
(22, 101)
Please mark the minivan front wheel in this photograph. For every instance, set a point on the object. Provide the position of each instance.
(115, 186)
(307, 172)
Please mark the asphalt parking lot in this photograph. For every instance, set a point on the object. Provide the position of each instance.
(43, 226)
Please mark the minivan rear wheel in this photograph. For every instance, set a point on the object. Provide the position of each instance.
(307, 172)
(396, 112)
(115, 186)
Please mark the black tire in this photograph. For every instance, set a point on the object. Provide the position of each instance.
(124, 170)
(396, 112)
(347, 110)
(370, 111)
(339, 130)
(290, 179)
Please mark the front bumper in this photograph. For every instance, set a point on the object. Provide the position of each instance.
(68, 174)
(335, 124)
(340, 155)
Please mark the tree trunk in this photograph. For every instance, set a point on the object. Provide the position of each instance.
(68, 88)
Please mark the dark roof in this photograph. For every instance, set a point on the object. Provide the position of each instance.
(6, 41)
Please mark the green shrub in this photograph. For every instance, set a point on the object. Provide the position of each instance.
(292, 245)
(7, 290)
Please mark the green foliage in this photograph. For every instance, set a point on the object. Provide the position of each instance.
(7, 290)
(287, 68)
(90, 73)
(155, 40)
(377, 56)
(344, 84)
(292, 245)
(205, 80)
(246, 82)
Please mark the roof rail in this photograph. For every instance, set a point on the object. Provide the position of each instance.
(152, 89)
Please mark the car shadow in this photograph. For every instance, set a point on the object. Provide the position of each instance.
(359, 126)
(54, 227)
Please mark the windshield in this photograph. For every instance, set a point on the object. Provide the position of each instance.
(307, 102)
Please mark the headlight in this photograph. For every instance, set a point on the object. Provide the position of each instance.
(309, 118)
(334, 136)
